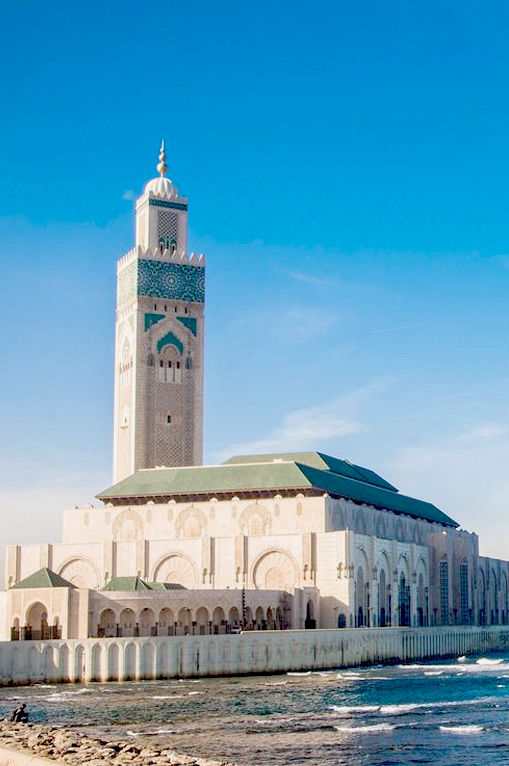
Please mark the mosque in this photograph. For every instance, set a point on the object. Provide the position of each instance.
(261, 542)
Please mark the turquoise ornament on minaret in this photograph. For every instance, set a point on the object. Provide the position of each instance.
(158, 418)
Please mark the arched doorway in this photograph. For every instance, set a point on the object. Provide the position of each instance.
(107, 624)
(37, 622)
(310, 622)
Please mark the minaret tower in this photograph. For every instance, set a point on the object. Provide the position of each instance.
(158, 418)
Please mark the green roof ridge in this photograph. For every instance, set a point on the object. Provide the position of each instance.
(43, 578)
(295, 471)
(126, 583)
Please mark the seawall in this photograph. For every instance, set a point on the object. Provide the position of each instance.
(119, 659)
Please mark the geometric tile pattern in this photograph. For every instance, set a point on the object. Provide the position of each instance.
(167, 227)
(126, 285)
(178, 281)
(151, 319)
(190, 323)
(163, 203)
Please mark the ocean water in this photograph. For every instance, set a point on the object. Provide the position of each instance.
(447, 713)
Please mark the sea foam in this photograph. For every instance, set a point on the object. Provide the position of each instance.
(368, 729)
(471, 729)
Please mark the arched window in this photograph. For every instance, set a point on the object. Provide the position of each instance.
(404, 601)
(361, 598)
(382, 600)
(444, 592)
(126, 363)
(494, 598)
(464, 613)
(505, 605)
(482, 598)
(421, 605)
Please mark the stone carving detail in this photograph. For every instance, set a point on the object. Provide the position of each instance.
(275, 570)
(255, 520)
(191, 522)
(81, 572)
(128, 526)
(177, 569)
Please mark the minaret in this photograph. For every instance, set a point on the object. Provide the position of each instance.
(158, 418)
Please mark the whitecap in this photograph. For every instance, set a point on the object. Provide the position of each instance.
(471, 729)
(190, 694)
(299, 673)
(463, 658)
(133, 733)
(370, 728)
(352, 709)
(487, 661)
(401, 709)
(434, 673)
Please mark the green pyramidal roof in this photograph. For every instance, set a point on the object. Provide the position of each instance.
(44, 578)
(136, 583)
(126, 583)
(288, 472)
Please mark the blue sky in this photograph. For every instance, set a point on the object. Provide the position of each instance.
(346, 165)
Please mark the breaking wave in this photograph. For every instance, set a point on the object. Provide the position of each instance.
(471, 729)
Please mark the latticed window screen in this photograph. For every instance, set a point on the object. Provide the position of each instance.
(167, 227)
(444, 591)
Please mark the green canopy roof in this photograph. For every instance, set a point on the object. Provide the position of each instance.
(126, 583)
(44, 578)
(317, 460)
(136, 583)
(296, 471)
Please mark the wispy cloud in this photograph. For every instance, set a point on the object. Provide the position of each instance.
(465, 474)
(395, 328)
(309, 322)
(310, 279)
(310, 427)
(128, 194)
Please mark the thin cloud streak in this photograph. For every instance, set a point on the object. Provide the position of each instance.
(400, 327)
(309, 279)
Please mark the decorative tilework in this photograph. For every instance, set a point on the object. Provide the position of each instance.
(190, 323)
(126, 285)
(164, 203)
(151, 319)
(169, 340)
(177, 281)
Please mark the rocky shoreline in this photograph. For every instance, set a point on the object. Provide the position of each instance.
(68, 746)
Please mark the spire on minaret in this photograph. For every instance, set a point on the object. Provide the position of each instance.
(162, 166)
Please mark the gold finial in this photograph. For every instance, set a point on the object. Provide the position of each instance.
(162, 166)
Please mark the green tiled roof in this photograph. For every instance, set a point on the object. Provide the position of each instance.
(136, 583)
(317, 460)
(286, 472)
(44, 578)
(165, 586)
(126, 583)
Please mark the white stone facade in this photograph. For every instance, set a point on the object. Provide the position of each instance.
(158, 408)
(359, 566)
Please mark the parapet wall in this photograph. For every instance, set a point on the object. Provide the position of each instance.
(119, 659)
